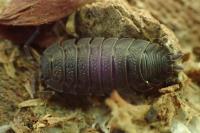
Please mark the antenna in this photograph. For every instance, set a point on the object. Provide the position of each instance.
(28, 43)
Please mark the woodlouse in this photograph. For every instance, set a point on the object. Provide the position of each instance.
(97, 65)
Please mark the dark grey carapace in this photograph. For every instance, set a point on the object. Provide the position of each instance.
(97, 65)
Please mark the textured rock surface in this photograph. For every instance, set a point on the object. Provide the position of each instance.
(181, 16)
(117, 19)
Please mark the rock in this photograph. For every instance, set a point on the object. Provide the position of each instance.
(181, 16)
(115, 18)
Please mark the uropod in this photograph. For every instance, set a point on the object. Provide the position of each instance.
(97, 65)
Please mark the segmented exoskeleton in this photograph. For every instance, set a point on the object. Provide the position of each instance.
(97, 65)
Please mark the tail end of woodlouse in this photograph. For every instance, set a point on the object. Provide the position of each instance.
(174, 62)
(177, 68)
(174, 57)
(159, 66)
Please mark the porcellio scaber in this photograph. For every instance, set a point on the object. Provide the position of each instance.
(98, 65)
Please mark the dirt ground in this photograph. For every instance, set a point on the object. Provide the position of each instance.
(27, 106)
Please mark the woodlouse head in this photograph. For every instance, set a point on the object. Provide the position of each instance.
(51, 68)
(45, 67)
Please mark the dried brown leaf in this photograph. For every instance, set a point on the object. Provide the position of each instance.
(31, 103)
(37, 12)
(170, 89)
(17, 127)
(50, 121)
(8, 59)
(10, 69)
(28, 85)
